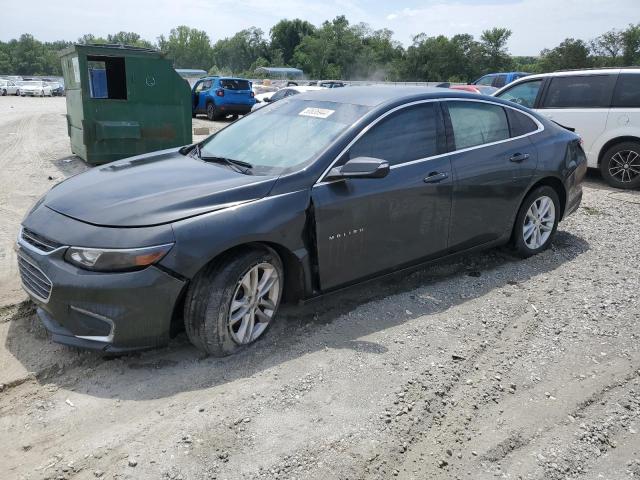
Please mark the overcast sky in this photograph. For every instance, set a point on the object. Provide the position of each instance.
(536, 24)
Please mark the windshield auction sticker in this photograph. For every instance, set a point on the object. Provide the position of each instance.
(316, 112)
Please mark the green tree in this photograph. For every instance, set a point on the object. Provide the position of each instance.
(188, 47)
(240, 52)
(129, 38)
(494, 48)
(631, 45)
(570, 54)
(286, 35)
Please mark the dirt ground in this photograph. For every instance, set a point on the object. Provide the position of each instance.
(481, 367)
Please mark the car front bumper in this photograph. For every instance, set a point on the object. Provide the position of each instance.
(113, 312)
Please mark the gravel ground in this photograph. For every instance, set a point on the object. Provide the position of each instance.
(480, 367)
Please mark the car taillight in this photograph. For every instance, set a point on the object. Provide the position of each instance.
(220, 93)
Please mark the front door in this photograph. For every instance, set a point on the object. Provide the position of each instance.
(200, 95)
(368, 226)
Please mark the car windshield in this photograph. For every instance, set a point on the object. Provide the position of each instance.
(283, 137)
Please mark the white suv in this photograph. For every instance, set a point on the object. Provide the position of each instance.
(603, 106)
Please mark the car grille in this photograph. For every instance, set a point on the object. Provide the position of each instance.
(34, 279)
(41, 243)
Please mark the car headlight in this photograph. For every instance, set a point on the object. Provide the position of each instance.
(115, 259)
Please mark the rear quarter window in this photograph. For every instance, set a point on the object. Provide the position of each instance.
(627, 91)
(520, 123)
(580, 91)
(232, 84)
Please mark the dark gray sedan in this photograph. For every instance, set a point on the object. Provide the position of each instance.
(310, 194)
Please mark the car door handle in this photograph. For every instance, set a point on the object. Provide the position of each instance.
(435, 177)
(519, 157)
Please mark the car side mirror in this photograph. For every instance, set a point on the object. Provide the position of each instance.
(360, 167)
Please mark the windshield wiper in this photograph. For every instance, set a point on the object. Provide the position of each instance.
(237, 165)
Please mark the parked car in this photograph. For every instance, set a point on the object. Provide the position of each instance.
(332, 84)
(603, 106)
(8, 87)
(479, 89)
(323, 190)
(499, 80)
(263, 99)
(219, 97)
(34, 88)
(57, 89)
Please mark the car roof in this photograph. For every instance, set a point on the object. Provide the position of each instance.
(374, 95)
(305, 88)
(586, 71)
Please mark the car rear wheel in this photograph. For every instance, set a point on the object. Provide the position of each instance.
(211, 111)
(233, 301)
(536, 222)
(620, 166)
(4, 92)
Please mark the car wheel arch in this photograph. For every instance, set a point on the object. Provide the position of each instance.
(614, 141)
(552, 182)
(293, 276)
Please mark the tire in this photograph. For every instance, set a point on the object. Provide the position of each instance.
(209, 304)
(42, 93)
(18, 93)
(193, 115)
(211, 111)
(620, 165)
(530, 237)
(4, 92)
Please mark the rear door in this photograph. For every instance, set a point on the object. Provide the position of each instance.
(236, 90)
(368, 226)
(581, 102)
(491, 168)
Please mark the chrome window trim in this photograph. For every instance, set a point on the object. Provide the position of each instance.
(320, 180)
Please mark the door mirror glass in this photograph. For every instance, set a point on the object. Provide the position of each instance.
(361, 167)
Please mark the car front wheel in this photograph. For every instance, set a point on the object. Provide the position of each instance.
(4, 92)
(233, 301)
(620, 166)
(536, 222)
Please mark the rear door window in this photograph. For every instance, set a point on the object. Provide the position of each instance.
(477, 123)
(627, 92)
(524, 93)
(580, 91)
(411, 133)
(234, 84)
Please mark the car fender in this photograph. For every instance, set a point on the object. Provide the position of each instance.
(279, 220)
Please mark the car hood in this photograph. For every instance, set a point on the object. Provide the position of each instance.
(153, 189)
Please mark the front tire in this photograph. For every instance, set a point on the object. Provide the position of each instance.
(233, 301)
(620, 166)
(4, 92)
(536, 222)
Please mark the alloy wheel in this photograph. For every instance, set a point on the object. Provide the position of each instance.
(254, 303)
(539, 222)
(624, 166)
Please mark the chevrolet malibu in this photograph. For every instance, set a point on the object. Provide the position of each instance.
(310, 194)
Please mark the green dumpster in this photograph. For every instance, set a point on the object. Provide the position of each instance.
(123, 101)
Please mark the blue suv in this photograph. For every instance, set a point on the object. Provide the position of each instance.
(222, 96)
(499, 80)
